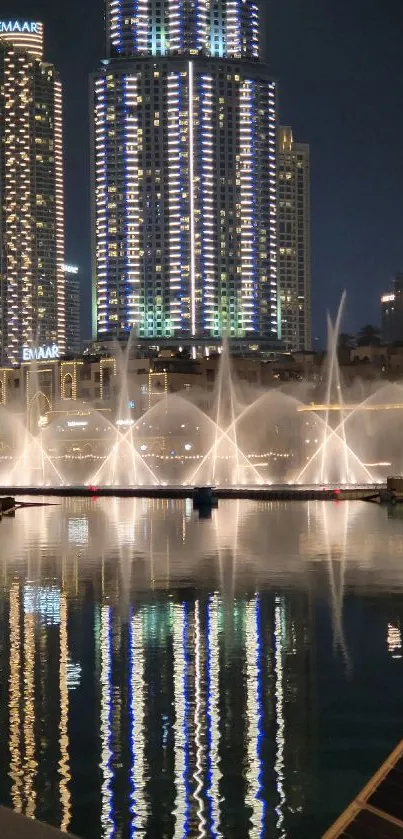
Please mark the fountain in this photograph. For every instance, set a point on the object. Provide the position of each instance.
(245, 437)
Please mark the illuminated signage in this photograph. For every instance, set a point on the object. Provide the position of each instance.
(30, 27)
(45, 353)
(77, 424)
(388, 298)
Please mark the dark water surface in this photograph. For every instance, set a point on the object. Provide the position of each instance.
(164, 676)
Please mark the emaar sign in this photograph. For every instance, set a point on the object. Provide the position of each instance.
(29, 26)
(48, 352)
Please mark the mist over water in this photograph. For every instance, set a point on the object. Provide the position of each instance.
(234, 434)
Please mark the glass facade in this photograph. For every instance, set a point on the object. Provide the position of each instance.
(184, 174)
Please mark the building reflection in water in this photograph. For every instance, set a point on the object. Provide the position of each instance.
(138, 772)
(64, 767)
(196, 682)
(14, 699)
(107, 819)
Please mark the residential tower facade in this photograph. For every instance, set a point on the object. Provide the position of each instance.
(32, 297)
(294, 241)
(184, 174)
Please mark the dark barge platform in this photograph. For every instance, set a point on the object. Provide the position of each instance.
(249, 493)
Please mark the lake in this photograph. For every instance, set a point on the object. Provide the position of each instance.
(171, 676)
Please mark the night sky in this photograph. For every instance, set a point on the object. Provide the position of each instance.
(340, 72)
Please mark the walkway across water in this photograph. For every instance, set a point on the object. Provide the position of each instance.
(281, 492)
(15, 826)
(377, 812)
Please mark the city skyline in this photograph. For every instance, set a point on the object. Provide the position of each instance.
(318, 94)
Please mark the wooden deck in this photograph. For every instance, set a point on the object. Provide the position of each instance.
(377, 812)
(14, 826)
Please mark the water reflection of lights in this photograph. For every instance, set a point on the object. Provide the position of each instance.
(43, 601)
(394, 640)
(194, 677)
(254, 720)
(279, 701)
(198, 726)
(78, 531)
(74, 671)
(138, 807)
(180, 726)
(213, 712)
(107, 820)
(14, 699)
(30, 763)
(336, 548)
(64, 764)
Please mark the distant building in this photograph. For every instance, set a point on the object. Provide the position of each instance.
(294, 242)
(72, 291)
(32, 304)
(392, 312)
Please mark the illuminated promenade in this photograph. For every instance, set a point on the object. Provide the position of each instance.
(360, 406)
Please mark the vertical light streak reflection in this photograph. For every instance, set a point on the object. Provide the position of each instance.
(213, 714)
(180, 727)
(198, 727)
(394, 640)
(336, 561)
(279, 702)
(108, 826)
(64, 766)
(254, 719)
(30, 764)
(14, 698)
(137, 714)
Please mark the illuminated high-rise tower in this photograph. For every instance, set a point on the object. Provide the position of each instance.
(32, 304)
(294, 241)
(184, 174)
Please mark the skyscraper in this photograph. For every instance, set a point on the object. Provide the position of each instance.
(294, 240)
(184, 173)
(32, 305)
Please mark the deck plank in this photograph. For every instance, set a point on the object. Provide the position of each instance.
(383, 793)
(15, 826)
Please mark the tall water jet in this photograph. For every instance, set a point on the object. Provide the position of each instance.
(124, 465)
(334, 461)
(225, 417)
(225, 462)
(334, 394)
